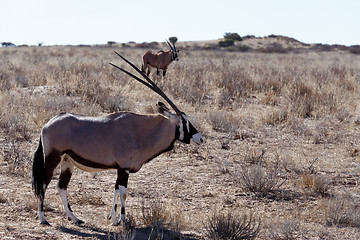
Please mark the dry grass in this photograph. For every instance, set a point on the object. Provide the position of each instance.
(222, 226)
(291, 108)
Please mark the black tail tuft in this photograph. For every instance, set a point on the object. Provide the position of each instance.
(38, 171)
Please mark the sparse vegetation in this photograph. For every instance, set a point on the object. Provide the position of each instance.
(257, 179)
(161, 221)
(263, 116)
(220, 226)
(343, 210)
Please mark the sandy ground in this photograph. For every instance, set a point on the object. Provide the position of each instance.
(193, 181)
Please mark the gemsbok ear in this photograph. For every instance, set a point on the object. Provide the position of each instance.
(163, 109)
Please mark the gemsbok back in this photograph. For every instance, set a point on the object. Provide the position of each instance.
(123, 141)
(160, 60)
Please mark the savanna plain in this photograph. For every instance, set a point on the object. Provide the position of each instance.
(280, 158)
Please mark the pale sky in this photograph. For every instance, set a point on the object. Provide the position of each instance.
(97, 22)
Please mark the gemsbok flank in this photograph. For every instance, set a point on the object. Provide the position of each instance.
(123, 141)
(160, 60)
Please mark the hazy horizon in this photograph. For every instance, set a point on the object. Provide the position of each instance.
(97, 22)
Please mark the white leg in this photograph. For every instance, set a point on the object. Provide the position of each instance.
(113, 209)
(122, 199)
(66, 171)
(41, 214)
(69, 213)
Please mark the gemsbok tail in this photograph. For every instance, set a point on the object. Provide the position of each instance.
(38, 173)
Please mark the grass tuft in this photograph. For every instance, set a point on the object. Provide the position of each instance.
(220, 226)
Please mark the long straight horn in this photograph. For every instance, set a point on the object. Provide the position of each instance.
(150, 83)
(170, 46)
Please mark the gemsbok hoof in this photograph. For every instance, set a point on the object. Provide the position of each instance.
(45, 223)
(79, 222)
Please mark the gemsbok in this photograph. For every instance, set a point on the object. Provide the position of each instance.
(160, 60)
(123, 141)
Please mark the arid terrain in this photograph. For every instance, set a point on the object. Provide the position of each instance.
(281, 131)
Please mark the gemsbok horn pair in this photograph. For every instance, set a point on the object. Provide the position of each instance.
(160, 60)
(123, 141)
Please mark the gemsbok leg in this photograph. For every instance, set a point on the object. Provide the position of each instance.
(43, 170)
(67, 169)
(120, 191)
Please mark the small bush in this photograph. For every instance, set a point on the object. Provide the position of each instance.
(286, 230)
(161, 221)
(257, 179)
(223, 122)
(173, 40)
(231, 226)
(226, 42)
(16, 159)
(343, 210)
(318, 184)
(254, 156)
(233, 36)
(243, 48)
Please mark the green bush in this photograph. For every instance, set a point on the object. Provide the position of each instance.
(233, 36)
(226, 42)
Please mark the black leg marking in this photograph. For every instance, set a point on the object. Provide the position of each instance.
(64, 178)
(122, 178)
(157, 72)
(51, 162)
(164, 72)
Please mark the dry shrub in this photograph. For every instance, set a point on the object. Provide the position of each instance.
(222, 121)
(254, 156)
(126, 232)
(16, 159)
(317, 184)
(285, 230)
(161, 220)
(220, 226)
(12, 118)
(259, 180)
(276, 117)
(190, 85)
(309, 102)
(342, 210)
(235, 84)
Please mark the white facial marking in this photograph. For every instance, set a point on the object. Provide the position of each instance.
(197, 138)
(181, 130)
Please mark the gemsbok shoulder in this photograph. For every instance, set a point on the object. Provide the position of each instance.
(160, 60)
(123, 141)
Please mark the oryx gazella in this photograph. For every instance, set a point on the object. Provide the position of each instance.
(123, 141)
(160, 60)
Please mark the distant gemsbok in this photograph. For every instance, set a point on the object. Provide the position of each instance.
(123, 141)
(160, 60)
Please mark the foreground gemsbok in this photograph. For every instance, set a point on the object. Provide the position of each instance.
(160, 60)
(123, 141)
